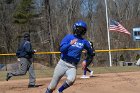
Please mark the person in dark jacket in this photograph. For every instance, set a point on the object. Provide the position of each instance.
(25, 57)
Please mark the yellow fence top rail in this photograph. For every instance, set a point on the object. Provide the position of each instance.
(112, 50)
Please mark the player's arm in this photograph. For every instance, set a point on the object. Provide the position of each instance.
(90, 52)
(66, 43)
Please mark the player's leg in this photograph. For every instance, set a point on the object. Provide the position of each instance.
(32, 77)
(87, 69)
(84, 68)
(59, 71)
(71, 76)
(23, 66)
(90, 71)
(84, 74)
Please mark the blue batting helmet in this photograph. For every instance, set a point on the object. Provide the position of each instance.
(79, 28)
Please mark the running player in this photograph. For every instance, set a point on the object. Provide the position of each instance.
(71, 49)
(87, 62)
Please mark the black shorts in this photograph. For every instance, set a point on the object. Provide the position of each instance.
(88, 62)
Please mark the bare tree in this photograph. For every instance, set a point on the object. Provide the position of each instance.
(49, 29)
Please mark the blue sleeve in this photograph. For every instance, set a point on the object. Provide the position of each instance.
(65, 44)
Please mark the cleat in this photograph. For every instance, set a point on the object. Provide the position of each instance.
(59, 92)
(91, 73)
(33, 86)
(8, 77)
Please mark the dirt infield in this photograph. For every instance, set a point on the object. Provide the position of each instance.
(128, 82)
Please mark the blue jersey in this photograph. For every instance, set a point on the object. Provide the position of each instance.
(72, 53)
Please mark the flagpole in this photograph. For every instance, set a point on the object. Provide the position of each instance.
(108, 33)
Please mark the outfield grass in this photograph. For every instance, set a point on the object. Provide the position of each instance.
(48, 72)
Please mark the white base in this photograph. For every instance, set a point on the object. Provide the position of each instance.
(85, 76)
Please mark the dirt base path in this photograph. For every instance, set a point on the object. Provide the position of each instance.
(128, 82)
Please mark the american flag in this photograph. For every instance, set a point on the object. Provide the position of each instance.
(117, 27)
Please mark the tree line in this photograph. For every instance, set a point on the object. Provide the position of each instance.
(48, 21)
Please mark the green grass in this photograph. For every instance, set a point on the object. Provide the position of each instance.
(48, 72)
(42, 73)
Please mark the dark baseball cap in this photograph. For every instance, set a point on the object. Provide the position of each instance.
(26, 35)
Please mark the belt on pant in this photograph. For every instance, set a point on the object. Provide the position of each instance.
(70, 62)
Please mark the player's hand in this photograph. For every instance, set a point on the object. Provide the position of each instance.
(73, 41)
(85, 51)
(18, 59)
(35, 51)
